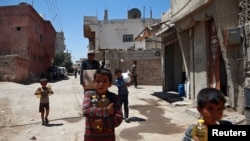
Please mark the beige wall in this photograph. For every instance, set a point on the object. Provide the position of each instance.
(190, 18)
(149, 67)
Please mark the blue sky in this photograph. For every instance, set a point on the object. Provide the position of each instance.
(67, 16)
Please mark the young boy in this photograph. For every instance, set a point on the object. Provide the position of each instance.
(210, 104)
(43, 93)
(101, 121)
(122, 92)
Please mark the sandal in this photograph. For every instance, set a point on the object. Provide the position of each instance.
(46, 120)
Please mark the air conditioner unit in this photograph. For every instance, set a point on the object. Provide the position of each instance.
(233, 36)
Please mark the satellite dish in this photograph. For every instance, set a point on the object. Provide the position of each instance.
(23, 3)
(134, 14)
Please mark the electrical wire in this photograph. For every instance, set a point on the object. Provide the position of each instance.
(55, 14)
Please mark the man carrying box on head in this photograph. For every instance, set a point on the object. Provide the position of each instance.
(88, 68)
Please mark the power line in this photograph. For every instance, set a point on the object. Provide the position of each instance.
(60, 21)
(54, 13)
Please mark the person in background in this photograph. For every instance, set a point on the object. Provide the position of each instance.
(43, 93)
(134, 73)
(122, 92)
(102, 64)
(89, 64)
(75, 72)
(101, 122)
(210, 104)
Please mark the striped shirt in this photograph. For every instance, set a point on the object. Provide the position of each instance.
(110, 122)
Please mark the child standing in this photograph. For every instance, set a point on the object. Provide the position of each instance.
(43, 93)
(122, 92)
(210, 104)
(101, 121)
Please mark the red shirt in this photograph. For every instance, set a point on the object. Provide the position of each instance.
(109, 121)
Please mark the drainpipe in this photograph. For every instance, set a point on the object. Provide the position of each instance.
(28, 63)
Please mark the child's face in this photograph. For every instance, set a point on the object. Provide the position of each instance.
(118, 74)
(102, 83)
(212, 112)
(43, 83)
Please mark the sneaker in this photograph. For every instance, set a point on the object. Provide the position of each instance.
(46, 120)
(127, 120)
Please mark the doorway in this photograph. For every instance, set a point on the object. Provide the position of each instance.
(173, 64)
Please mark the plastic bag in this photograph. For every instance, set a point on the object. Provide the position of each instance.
(127, 76)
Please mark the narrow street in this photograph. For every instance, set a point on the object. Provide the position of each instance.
(151, 117)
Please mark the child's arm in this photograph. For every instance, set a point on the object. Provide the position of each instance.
(111, 115)
(50, 89)
(38, 91)
(116, 116)
(120, 85)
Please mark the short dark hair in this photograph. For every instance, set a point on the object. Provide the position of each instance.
(104, 71)
(210, 95)
(89, 54)
(118, 70)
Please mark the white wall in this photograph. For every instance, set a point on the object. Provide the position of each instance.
(109, 33)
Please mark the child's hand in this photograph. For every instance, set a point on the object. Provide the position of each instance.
(195, 138)
(96, 123)
(111, 109)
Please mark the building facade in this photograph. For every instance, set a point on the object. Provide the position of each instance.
(210, 45)
(59, 43)
(27, 43)
(114, 40)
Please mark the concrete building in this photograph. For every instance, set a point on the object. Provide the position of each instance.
(206, 44)
(114, 41)
(27, 43)
(59, 43)
(210, 48)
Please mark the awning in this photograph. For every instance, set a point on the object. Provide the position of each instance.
(154, 29)
(164, 29)
(150, 30)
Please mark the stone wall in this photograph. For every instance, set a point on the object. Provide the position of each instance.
(149, 68)
(13, 68)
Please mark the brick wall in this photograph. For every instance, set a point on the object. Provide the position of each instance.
(13, 68)
(27, 35)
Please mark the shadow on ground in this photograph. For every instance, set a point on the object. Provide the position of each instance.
(169, 96)
(54, 124)
(135, 119)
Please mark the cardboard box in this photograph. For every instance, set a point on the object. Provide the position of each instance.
(88, 78)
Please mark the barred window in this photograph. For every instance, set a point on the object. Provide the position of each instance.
(128, 38)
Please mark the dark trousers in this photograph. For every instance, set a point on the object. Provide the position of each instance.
(124, 101)
(135, 81)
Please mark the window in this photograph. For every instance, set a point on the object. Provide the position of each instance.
(41, 38)
(128, 38)
(18, 28)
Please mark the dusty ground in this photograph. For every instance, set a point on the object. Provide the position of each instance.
(5, 120)
(151, 117)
